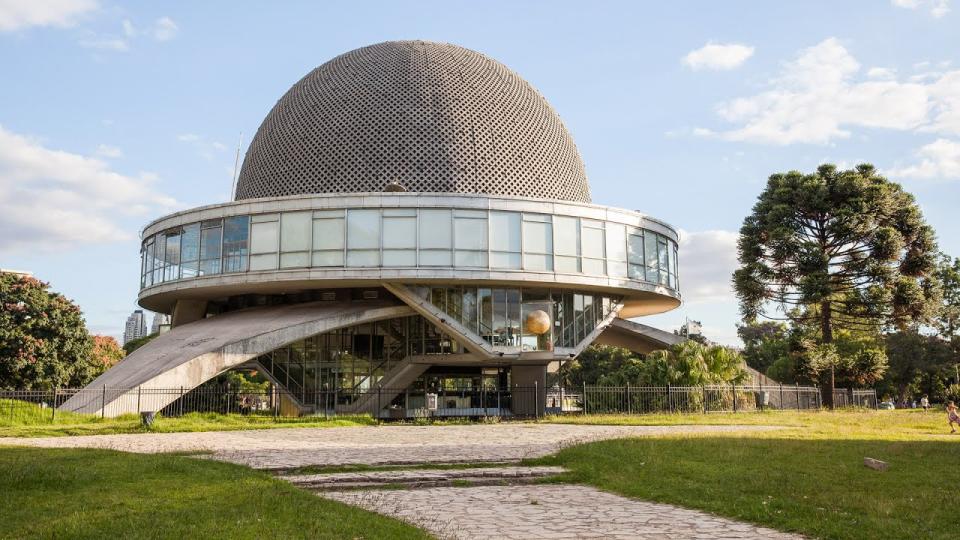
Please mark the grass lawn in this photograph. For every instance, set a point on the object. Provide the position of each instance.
(28, 420)
(106, 494)
(808, 478)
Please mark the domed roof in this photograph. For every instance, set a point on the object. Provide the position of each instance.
(417, 116)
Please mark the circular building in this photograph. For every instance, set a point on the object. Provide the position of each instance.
(410, 218)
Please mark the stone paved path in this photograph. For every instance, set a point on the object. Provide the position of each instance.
(296, 447)
(546, 511)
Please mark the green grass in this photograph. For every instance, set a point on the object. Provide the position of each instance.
(30, 420)
(807, 478)
(105, 494)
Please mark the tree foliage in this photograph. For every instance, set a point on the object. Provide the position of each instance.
(838, 249)
(948, 318)
(135, 344)
(106, 352)
(43, 339)
(765, 343)
(687, 364)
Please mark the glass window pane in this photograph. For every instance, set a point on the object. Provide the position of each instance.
(294, 260)
(159, 250)
(435, 257)
(263, 262)
(535, 262)
(328, 233)
(210, 250)
(236, 232)
(399, 257)
(593, 266)
(436, 229)
(662, 259)
(327, 258)
(616, 242)
(591, 242)
(476, 259)
(616, 269)
(172, 257)
(499, 259)
(635, 247)
(537, 237)
(263, 237)
(505, 231)
(190, 243)
(295, 231)
(363, 258)
(400, 232)
(566, 231)
(570, 265)
(471, 233)
(363, 229)
(650, 251)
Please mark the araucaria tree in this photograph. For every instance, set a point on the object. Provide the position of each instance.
(839, 249)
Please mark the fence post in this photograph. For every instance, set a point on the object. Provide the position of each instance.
(876, 402)
(819, 398)
(669, 398)
(103, 403)
(561, 397)
(53, 413)
(584, 398)
(275, 397)
(499, 409)
(734, 386)
(483, 398)
(629, 408)
(181, 399)
(762, 396)
(781, 397)
(797, 386)
(379, 393)
(536, 401)
(703, 389)
(139, 389)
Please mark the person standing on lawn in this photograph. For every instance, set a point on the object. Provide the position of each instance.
(925, 403)
(952, 417)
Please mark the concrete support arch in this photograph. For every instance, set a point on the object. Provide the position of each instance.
(192, 354)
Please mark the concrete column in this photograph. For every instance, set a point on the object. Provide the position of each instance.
(526, 377)
(187, 311)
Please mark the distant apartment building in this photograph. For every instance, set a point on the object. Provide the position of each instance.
(161, 322)
(136, 327)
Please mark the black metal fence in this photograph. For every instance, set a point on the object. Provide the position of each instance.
(19, 407)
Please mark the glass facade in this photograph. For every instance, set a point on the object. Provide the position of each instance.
(410, 238)
(507, 318)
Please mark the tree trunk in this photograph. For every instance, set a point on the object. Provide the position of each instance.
(826, 330)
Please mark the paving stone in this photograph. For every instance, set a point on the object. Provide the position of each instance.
(560, 512)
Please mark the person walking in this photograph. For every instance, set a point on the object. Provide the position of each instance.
(952, 417)
(925, 403)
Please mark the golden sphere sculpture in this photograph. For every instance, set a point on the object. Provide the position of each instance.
(537, 322)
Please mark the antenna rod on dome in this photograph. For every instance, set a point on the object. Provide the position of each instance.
(236, 163)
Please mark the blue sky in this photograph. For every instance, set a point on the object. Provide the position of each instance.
(112, 114)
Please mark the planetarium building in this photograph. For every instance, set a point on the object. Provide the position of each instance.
(410, 216)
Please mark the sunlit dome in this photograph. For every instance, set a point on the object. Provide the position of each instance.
(413, 116)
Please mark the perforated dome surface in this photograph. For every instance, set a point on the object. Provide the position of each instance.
(431, 117)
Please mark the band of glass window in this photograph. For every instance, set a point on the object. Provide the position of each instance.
(409, 238)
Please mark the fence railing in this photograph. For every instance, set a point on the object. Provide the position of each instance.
(278, 404)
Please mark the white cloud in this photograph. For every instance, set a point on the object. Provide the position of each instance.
(19, 14)
(108, 151)
(128, 29)
(718, 56)
(937, 8)
(205, 148)
(105, 44)
(939, 159)
(818, 97)
(707, 261)
(52, 198)
(882, 73)
(164, 29)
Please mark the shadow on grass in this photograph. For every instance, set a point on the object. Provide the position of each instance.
(817, 487)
